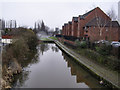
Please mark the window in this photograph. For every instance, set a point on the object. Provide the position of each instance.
(106, 29)
(89, 28)
(93, 27)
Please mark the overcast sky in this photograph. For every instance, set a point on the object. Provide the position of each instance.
(53, 12)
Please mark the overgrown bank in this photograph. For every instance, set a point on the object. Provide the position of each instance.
(99, 53)
(17, 55)
(105, 60)
(107, 76)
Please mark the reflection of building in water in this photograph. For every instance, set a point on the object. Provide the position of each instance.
(82, 76)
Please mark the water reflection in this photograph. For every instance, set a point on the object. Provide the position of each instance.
(42, 48)
(54, 48)
(81, 74)
(20, 79)
(54, 70)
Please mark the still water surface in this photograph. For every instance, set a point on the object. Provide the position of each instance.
(54, 69)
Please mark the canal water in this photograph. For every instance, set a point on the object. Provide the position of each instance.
(54, 69)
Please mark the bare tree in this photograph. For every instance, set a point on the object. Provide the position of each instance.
(15, 24)
(35, 26)
(103, 22)
(10, 24)
(39, 26)
(111, 13)
(100, 23)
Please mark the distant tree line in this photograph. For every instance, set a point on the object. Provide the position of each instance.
(40, 26)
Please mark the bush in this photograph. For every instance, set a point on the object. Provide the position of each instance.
(32, 42)
(77, 42)
(20, 49)
(113, 63)
(25, 42)
(103, 50)
(81, 44)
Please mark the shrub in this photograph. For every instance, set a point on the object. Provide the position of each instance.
(20, 49)
(25, 41)
(103, 50)
(32, 42)
(81, 44)
(77, 42)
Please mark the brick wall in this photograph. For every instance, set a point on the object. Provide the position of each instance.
(74, 28)
(63, 30)
(70, 29)
(97, 12)
(107, 33)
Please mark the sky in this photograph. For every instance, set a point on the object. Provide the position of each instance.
(54, 13)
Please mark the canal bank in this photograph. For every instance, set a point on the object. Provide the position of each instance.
(109, 78)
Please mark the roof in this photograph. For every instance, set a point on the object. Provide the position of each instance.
(75, 19)
(81, 16)
(65, 24)
(98, 21)
(86, 14)
(7, 37)
(70, 22)
(113, 23)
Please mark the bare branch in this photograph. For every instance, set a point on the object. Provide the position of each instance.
(112, 15)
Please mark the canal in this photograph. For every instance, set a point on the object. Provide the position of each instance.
(54, 69)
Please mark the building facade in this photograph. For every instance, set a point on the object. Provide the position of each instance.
(103, 31)
(93, 26)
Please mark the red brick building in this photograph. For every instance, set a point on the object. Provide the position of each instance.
(94, 25)
(63, 30)
(74, 26)
(70, 28)
(98, 29)
(83, 19)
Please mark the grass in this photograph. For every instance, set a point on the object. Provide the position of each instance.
(45, 39)
(48, 39)
(53, 38)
